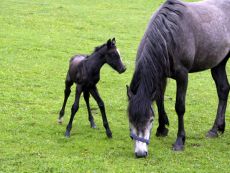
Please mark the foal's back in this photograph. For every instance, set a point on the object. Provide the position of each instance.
(73, 65)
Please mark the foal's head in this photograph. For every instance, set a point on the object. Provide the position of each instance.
(112, 56)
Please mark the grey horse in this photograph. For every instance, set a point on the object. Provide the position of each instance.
(181, 38)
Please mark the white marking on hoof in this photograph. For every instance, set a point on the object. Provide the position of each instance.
(60, 121)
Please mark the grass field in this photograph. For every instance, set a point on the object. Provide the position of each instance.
(37, 38)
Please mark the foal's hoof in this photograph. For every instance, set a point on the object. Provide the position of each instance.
(177, 147)
(211, 134)
(61, 113)
(109, 134)
(162, 133)
(93, 125)
(67, 134)
(60, 120)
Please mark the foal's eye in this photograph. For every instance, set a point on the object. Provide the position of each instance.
(114, 54)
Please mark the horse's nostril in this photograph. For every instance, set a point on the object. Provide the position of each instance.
(141, 154)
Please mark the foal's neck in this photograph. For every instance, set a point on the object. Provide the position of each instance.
(96, 61)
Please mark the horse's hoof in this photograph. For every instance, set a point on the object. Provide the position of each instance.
(162, 133)
(177, 147)
(60, 120)
(109, 134)
(211, 134)
(67, 134)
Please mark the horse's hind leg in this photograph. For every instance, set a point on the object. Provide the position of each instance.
(68, 84)
(163, 118)
(91, 120)
(222, 86)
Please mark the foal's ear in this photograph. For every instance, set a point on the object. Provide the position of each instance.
(109, 43)
(114, 41)
(129, 92)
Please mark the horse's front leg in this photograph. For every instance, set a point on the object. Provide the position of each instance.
(96, 96)
(163, 118)
(74, 109)
(182, 83)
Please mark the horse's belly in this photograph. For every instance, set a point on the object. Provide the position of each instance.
(209, 61)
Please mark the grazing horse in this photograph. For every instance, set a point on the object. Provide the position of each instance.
(181, 38)
(85, 72)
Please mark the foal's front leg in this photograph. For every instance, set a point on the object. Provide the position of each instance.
(74, 110)
(101, 105)
(182, 83)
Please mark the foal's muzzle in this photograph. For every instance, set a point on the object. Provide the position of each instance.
(122, 70)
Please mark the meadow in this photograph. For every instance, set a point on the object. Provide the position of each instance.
(37, 38)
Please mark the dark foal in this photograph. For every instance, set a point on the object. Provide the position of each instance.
(85, 72)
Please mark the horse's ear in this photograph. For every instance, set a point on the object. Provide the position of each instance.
(109, 43)
(114, 41)
(129, 92)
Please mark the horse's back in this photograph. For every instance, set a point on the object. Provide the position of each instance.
(209, 22)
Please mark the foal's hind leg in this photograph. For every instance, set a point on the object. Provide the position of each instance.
(74, 109)
(68, 84)
(91, 120)
(163, 118)
(222, 86)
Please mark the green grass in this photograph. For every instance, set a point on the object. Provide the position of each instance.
(37, 38)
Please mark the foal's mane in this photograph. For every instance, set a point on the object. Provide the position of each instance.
(99, 47)
(154, 58)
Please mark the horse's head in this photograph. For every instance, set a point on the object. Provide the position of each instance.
(113, 57)
(141, 118)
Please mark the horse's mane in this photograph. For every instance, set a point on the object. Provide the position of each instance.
(156, 51)
(154, 57)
